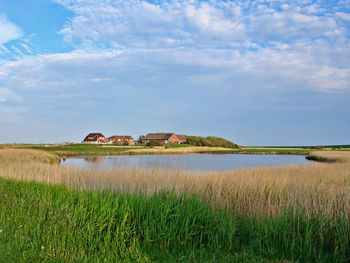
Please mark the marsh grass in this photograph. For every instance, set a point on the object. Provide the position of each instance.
(42, 223)
(320, 188)
(299, 213)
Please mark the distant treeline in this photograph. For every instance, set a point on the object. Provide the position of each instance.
(210, 141)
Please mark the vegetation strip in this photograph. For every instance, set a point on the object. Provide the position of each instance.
(52, 224)
(293, 213)
(79, 150)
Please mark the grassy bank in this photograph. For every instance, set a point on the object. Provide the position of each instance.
(265, 191)
(298, 213)
(70, 150)
(74, 150)
(42, 223)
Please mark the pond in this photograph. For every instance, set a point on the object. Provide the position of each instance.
(202, 162)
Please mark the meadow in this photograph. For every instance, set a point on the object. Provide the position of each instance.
(51, 213)
(79, 149)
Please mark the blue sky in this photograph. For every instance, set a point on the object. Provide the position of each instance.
(256, 72)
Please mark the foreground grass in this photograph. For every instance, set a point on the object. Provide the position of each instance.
(295, 213)
(51, 223)
(43, 223)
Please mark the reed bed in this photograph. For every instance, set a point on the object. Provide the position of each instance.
(330, 156)
(320, 188)
(297, 213)
(180, 150)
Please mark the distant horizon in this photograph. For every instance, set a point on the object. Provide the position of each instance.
(266, 73)
(136, 138)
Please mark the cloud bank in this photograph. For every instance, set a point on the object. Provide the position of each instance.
(179, 58)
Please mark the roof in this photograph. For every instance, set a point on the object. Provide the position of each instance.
(181, 137)
(123, 137)
(93, 136)
(158, 136)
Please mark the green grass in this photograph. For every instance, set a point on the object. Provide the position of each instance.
(291, 151)
(43, 223)
(53, 224)
(176, 145)
(70, 150)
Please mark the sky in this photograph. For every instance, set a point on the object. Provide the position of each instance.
(255, 72)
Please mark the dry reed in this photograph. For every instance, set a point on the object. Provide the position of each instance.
(180, 150)
(315, 188)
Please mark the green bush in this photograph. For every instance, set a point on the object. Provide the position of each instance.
(210, 141)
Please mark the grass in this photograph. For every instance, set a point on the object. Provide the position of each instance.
(71, 150)
(316, 187)
(295, 213)
(42, 223)
(334, 156)
(53, 224)
(291, 151)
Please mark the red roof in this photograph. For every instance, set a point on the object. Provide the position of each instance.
(92, 137)
(122, 137)
(158, 136)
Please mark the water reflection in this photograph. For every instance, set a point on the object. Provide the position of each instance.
(202, 162)
(94, 159)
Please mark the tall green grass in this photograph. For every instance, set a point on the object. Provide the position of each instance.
(44, 223)
(50, 223)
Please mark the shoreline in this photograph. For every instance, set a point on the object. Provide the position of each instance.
(63, 157)
(81, 151)
(97, 204)
(190, 151)
(329, 157)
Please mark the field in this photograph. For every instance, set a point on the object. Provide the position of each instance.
(51, 213)
(70, 150)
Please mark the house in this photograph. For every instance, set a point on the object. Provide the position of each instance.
(182, 138)
(161, 137)
(121, 140)
(95, 138)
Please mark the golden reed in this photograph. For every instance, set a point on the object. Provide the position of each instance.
(321, 188)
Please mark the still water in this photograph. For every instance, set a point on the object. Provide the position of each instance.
(202, 162)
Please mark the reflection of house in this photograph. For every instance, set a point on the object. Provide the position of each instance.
(162, 138)
(95, 138)
(121, 140)
(94, 159)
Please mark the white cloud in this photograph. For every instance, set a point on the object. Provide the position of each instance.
(343, 16)
(4, 94)
(200, 24)
(7, 95)
(13, 43)
(213, 21)
(298, 66)
(9, 31)
(143, 24)
(268, 42)
(291, 25)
